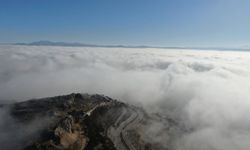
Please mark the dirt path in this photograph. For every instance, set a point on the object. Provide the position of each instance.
(119, 134)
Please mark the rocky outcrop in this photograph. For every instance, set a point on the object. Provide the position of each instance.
(83, 122)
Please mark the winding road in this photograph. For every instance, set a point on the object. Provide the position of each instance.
(119, 134)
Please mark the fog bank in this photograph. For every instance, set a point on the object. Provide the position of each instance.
(208, 91)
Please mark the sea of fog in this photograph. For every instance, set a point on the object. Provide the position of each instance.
(208, 91)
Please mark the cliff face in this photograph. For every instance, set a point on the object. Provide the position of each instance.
(82, 121)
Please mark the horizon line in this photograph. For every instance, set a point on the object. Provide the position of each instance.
(79, 44)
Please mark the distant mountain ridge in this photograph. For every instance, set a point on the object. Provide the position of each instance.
(76, 44)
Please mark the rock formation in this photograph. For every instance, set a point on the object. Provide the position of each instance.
(84, 122)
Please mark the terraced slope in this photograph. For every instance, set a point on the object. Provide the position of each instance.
(81, 121)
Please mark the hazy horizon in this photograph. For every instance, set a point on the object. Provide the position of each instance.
(84, 44)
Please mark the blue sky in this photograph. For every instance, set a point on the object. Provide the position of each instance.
(200, 23)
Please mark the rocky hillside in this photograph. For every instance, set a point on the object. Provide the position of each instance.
(84, 122)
